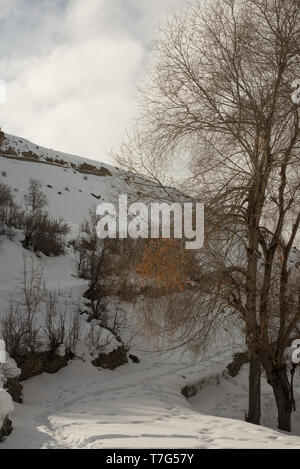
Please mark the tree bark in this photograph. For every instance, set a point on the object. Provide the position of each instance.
(254, 408)
(284, 400)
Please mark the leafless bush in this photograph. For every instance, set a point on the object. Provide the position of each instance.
(95, 338)
(8, 211)
(118, 321)
(42, 232)
(61, 326)
(19, 336)
(32, 291)
(92, 253)
(119, 326)
(48, 234)
(27, 328)
(20, 328)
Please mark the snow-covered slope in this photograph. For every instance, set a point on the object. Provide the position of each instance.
(21, 148)
(141, 406)
(72, 184)
(70, 191)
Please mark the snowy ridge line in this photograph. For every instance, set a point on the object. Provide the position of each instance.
(26, 159)
(31, 160)
(20, 145)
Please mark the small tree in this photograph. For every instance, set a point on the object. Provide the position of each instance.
(42, 232)
(9, 210)
(91, 264)
(35, 200)
(48, 234)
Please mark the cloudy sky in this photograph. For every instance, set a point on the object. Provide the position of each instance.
(72, 67)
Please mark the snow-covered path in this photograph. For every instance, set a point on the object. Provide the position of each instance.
(136, 406)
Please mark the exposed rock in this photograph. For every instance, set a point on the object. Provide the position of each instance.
(34, 364)
(15, 389)
(112, 360)
(30, 155)
(104, 171)
(10, 151)
(134, 358)
(6, 428)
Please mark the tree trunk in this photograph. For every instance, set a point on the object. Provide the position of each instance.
(254, 409)
(284, 399)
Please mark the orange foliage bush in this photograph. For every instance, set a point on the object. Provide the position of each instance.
(166, 263)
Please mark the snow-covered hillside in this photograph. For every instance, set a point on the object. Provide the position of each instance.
(136, 405)
(71, 191)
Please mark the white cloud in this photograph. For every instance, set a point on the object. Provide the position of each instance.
(71, 78)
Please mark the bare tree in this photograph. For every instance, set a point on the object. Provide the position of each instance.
(35, 199)
(91, 264)
(218, 103)
(42, 232)
(8, 210)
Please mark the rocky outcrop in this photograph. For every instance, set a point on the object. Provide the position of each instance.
(15, 389)
(6, 428)
(112, 360)
(34, 364)
(134, 358)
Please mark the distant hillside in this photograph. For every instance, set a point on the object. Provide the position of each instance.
(19, 148)
(72, 184)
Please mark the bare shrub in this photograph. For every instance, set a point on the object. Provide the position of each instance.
(94, 338)
(61, 326)
(118, 322)
(28, 328)
(92, 253)
(20, 328)
(8, 210)
(14, 330)
(48, 234)
(42, 232)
